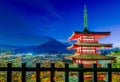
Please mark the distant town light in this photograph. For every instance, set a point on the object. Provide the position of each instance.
(29, 54)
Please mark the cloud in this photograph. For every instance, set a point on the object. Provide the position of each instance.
(38, 7)
(20, 16)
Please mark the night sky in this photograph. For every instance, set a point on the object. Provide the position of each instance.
(25, 22)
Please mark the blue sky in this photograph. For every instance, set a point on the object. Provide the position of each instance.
(24, 22)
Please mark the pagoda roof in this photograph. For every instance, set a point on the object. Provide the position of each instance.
(90, 32)
(92, 44)
(91, 57)
(89, 45)
(77, 34)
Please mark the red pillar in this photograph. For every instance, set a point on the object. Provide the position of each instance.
(95, 51)
(81, 51)
(94, 38)
(81, 38)
(96, 61)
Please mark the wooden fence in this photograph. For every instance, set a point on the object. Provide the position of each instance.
(52, 69)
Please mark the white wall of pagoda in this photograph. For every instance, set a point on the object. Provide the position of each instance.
(87, 39)
(86, 50)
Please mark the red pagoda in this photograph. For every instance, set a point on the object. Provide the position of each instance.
(86, 46)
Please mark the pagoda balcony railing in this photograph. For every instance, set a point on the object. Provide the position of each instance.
(86, 53)
(87, 41)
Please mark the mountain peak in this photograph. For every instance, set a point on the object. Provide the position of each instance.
(51, 46)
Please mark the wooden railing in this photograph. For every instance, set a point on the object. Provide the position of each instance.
(80, 69)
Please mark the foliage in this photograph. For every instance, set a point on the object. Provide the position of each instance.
(116, 63)
(31, 76)
(45, 76)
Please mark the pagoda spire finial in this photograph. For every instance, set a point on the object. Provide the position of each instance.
(85, 19)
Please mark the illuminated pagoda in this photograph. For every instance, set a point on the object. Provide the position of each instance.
(86, 46)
